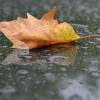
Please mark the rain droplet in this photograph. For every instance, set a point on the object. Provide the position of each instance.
(8, 90)
(95, 74)
(63, 69)
(22, 72)
(57, 58)
(98, 47)
(98, 30)
(25, 56)
(1, 54)
(75, 97)
(50, 76)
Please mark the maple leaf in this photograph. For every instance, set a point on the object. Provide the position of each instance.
(30, 32)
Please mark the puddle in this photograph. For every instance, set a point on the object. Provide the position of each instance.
(58, 72)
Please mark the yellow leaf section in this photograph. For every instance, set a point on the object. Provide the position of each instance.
(65, 33)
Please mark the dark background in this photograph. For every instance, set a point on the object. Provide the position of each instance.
(74, 11)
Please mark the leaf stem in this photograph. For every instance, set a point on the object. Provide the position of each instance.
(89, 37)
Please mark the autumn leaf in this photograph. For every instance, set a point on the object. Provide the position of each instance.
(30, 32)
(65, 33)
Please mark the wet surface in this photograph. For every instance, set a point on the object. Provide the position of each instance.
(58, 72)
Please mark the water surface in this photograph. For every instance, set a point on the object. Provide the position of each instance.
(58, 72)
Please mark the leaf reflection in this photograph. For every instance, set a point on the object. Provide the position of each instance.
(66, 52)
(61, 54)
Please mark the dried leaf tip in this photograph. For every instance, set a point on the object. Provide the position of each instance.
(50, 14)
(29, 15)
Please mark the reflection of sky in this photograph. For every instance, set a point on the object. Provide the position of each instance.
(81, 88)
(49, 82)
